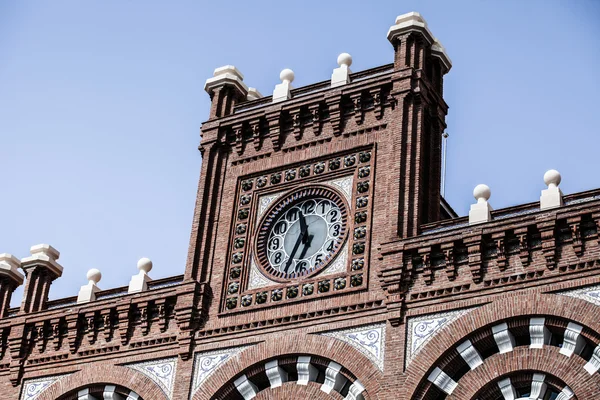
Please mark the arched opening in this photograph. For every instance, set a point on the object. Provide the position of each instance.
(307, 372)
(99, 391)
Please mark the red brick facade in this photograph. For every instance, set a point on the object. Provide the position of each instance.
(416, 305)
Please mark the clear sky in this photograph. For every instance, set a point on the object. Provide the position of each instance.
(101, 104)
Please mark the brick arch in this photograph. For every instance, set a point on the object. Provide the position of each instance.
(531, 303)
(291, 390)
(336, 350)
(547, 360)
(109, 374)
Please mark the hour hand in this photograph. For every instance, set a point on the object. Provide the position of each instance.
(303, 228)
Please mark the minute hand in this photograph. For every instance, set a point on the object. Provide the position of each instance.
(296, 245)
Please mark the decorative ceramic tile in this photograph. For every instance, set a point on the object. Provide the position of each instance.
(422, 329)
(162, 372)
(205, 364)
(32, 388)
(339, 264)
(345, 185)
(257, 279)
(265, 201)
(590, 293)
(369, 340)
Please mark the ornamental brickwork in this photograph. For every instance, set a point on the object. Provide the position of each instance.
(402, 300)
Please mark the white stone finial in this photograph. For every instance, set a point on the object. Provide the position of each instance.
(341, 75)
(344, 59)
(43, 254)
(87, 292)
(482, 193)
(253, 94)
(144, 265)
(286, 75)
(481, 211)
(9, 267)
(139, 282)
(93, 276)
(226, 75)
(282, 90)
(551, 197)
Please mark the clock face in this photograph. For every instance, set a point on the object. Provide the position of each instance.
(302, 233)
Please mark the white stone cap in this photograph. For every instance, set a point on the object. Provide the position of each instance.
(438, 50)
(282, 90)
(408, 22)
(43, 254)
(480, 211)
(9, 265)
(341, 75)
(253, 94)
(88, 292)
(227, 74)
(553, 196)
(139, 282)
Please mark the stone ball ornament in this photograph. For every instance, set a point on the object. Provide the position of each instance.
(94, 275)
(482, 193)
(344, 59)
(144, 264)
(552, 178)
(287, 75)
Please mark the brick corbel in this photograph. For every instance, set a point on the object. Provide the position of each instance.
(16, 348)
(425, 253)
(335, 114)
(144, 309)
(390, 278)
(55, 333)
(124, 311)
(499, 239)
(596, 218)
(274, 124)
(90, 319)
(40, 332)
(191, 309)
(356, 99)
(239, 138)
(448, 251)
(523, 237)
(575, 228)
(297, 123)
(548, 235)
(107, 323)
(255, 126)
(315, 111)
(161, 304)
(73, 327)
(377, 102)
(474, 245)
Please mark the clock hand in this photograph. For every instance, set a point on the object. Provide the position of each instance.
(303, 227)
(296, 245)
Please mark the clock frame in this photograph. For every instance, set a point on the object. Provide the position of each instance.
(282, 205)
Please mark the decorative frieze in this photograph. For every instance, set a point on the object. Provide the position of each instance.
(162, 372)
(369, 340)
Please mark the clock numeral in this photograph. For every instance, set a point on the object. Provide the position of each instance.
(280, 228)
(277, 258)
(318, 259)
(334, 230)
(293, 214)
(308, 207)
(332, 216)
(329, 246)
(275, 243)
(324, 207)
(301, 267)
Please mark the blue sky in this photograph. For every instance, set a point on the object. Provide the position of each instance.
(101, 104)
